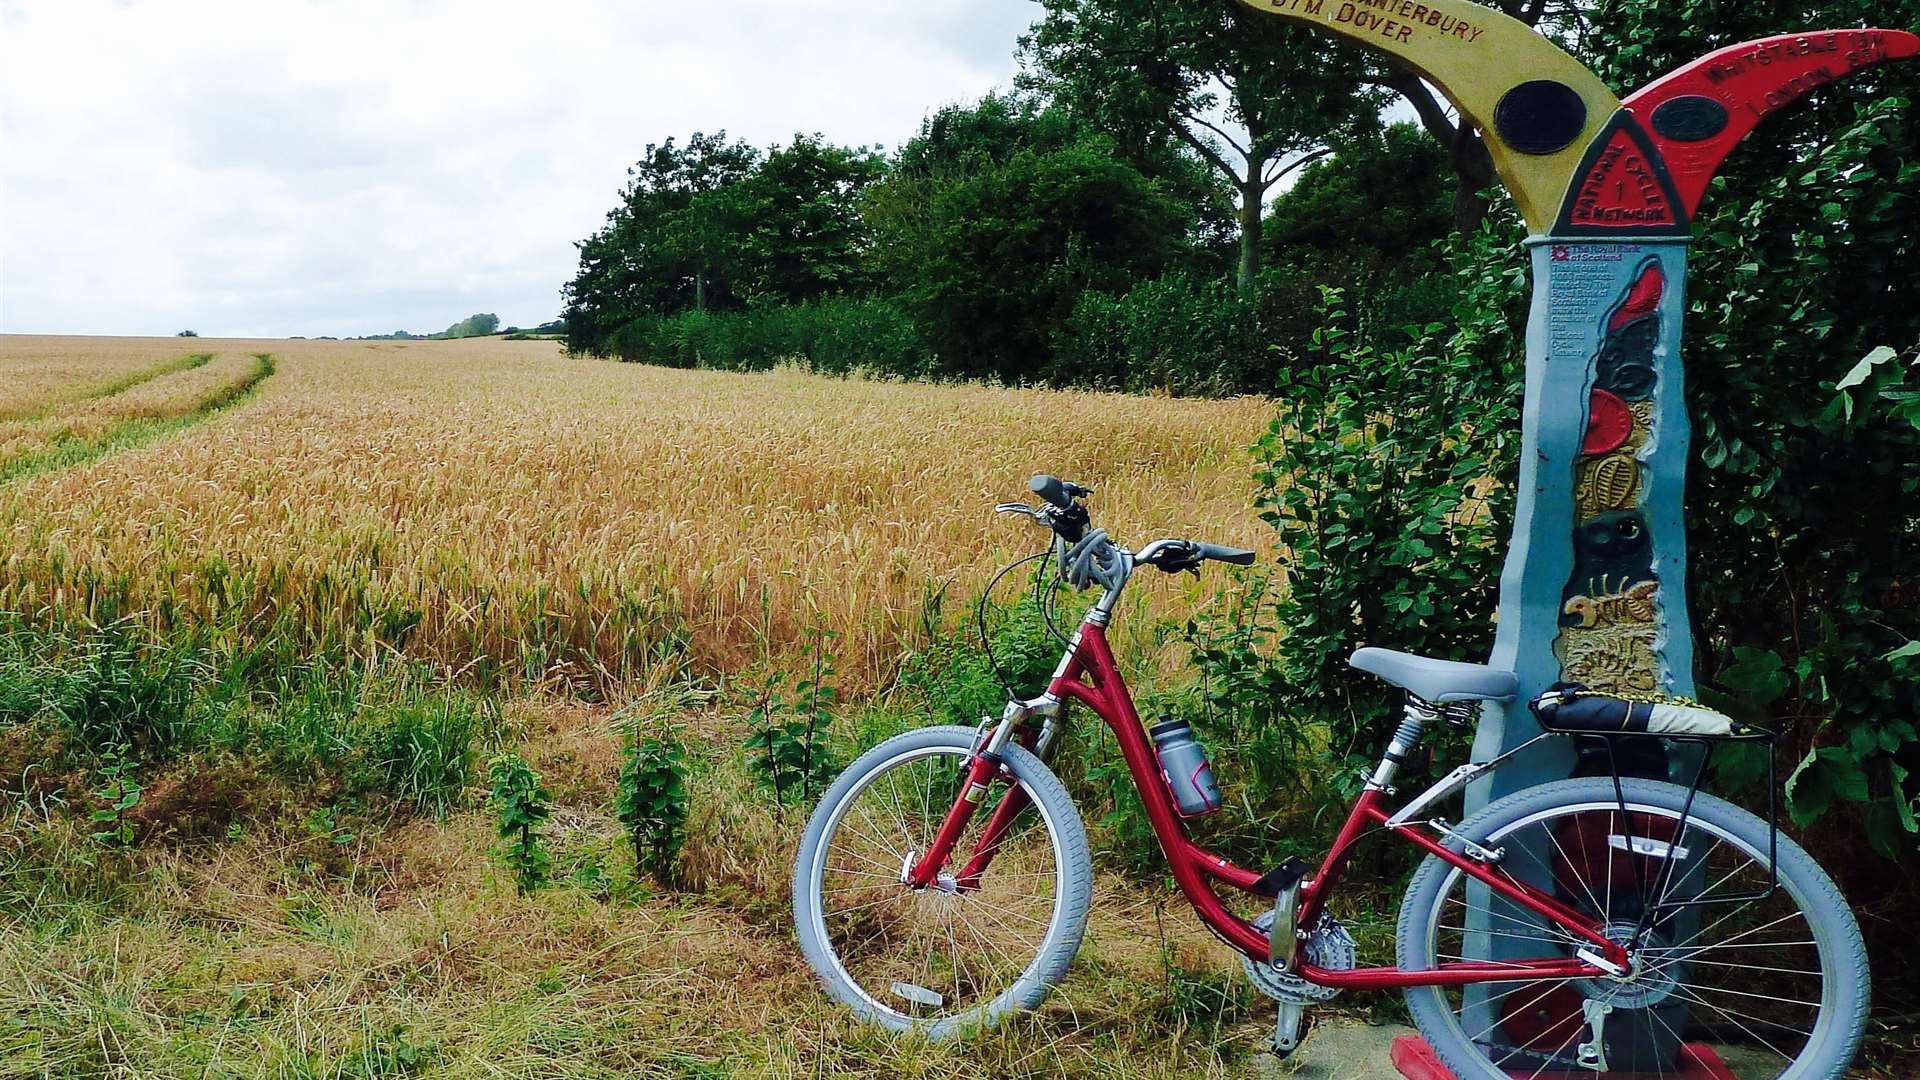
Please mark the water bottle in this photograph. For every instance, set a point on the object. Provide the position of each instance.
(1183, 765)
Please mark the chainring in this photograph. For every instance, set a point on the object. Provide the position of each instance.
(1328, 946)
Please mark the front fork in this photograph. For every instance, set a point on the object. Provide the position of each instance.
(985, 766)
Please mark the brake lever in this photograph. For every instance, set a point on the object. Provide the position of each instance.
(1022, 508)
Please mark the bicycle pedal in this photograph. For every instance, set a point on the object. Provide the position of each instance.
(1281, 878)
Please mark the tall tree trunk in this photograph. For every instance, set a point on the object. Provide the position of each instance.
(1473, 168)
(1466, 154)
(1252, 205)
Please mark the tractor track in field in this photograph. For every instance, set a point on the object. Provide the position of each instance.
(70, 450)
(109, 389)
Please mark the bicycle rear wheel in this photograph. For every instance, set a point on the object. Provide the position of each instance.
(1759, 986)
(955, 955)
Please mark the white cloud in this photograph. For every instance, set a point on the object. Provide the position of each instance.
(357, 166)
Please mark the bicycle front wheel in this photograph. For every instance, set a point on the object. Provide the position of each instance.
(960, 953)
(1730, 975)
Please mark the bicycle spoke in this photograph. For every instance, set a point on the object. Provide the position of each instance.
(1598, 907)
(1687, 980)
(1751, 967)
(1703, 987)
(939, 950)
(1734, 1015)
(1535, 1000)
(1560, 935)
(1508, 934)
(1702, 949)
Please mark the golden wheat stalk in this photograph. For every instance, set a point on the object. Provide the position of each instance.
(498, 502)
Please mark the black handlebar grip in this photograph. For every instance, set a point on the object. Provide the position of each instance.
(1222, 553)
(1053, 490)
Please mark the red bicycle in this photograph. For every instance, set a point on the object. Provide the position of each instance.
(1603, 926)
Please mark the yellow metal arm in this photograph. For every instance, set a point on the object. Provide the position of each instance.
(1537, 107)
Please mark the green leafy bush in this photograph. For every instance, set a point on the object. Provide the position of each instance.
(834, 336)
(1185, 335)
(991, 261)
(119, 793)
(522, 806)
(953, 678)
(1387, 475)
(651, 801)
(787, 745)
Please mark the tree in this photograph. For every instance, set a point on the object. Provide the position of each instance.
(718, 226)
(473, 326)
(1378, 203)
(960, 140)
(1197, 69)
(803, 236)
(992, 261)
(653, 255)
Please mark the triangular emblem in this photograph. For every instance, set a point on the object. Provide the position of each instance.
(1622, 188)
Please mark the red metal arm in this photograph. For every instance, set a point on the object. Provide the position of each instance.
(1696, 115)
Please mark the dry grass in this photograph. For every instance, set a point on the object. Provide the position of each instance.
(498, 502)
(191, 386)
(173, 394)
(282, 955)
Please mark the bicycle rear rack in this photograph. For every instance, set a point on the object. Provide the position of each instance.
(1655, 902)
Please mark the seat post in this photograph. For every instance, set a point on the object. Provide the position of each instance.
(1417, 714)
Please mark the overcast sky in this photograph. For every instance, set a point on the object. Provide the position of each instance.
(280, 167)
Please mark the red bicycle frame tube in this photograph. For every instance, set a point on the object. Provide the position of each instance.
(1091, 677)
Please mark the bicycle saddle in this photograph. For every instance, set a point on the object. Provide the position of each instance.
(1438, 681)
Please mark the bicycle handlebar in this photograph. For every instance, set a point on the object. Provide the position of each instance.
(1174, 556)
(1061, 494)
(1069, 520)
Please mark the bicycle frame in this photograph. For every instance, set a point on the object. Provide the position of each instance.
(1089, 675)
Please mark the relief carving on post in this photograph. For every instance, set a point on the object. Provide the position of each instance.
(1610, 631)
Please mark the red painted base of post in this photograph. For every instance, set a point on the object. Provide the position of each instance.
(1417, 1061)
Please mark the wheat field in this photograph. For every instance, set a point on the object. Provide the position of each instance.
(493, 502)
(37, 373)
(483, 503)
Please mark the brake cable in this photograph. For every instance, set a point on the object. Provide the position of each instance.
(980, 620)
(1048, 602)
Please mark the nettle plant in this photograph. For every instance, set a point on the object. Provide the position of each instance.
(651, 801)
(119, 792)
(787, 747)
(523, 806)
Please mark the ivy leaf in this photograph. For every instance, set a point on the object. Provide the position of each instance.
(1901, 803)
(1759, 673)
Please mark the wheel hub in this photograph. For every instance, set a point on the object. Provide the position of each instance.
(1648, 982)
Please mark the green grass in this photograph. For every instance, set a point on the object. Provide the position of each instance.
(378, 742)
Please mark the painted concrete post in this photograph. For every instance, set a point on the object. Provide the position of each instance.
(1594, 588)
